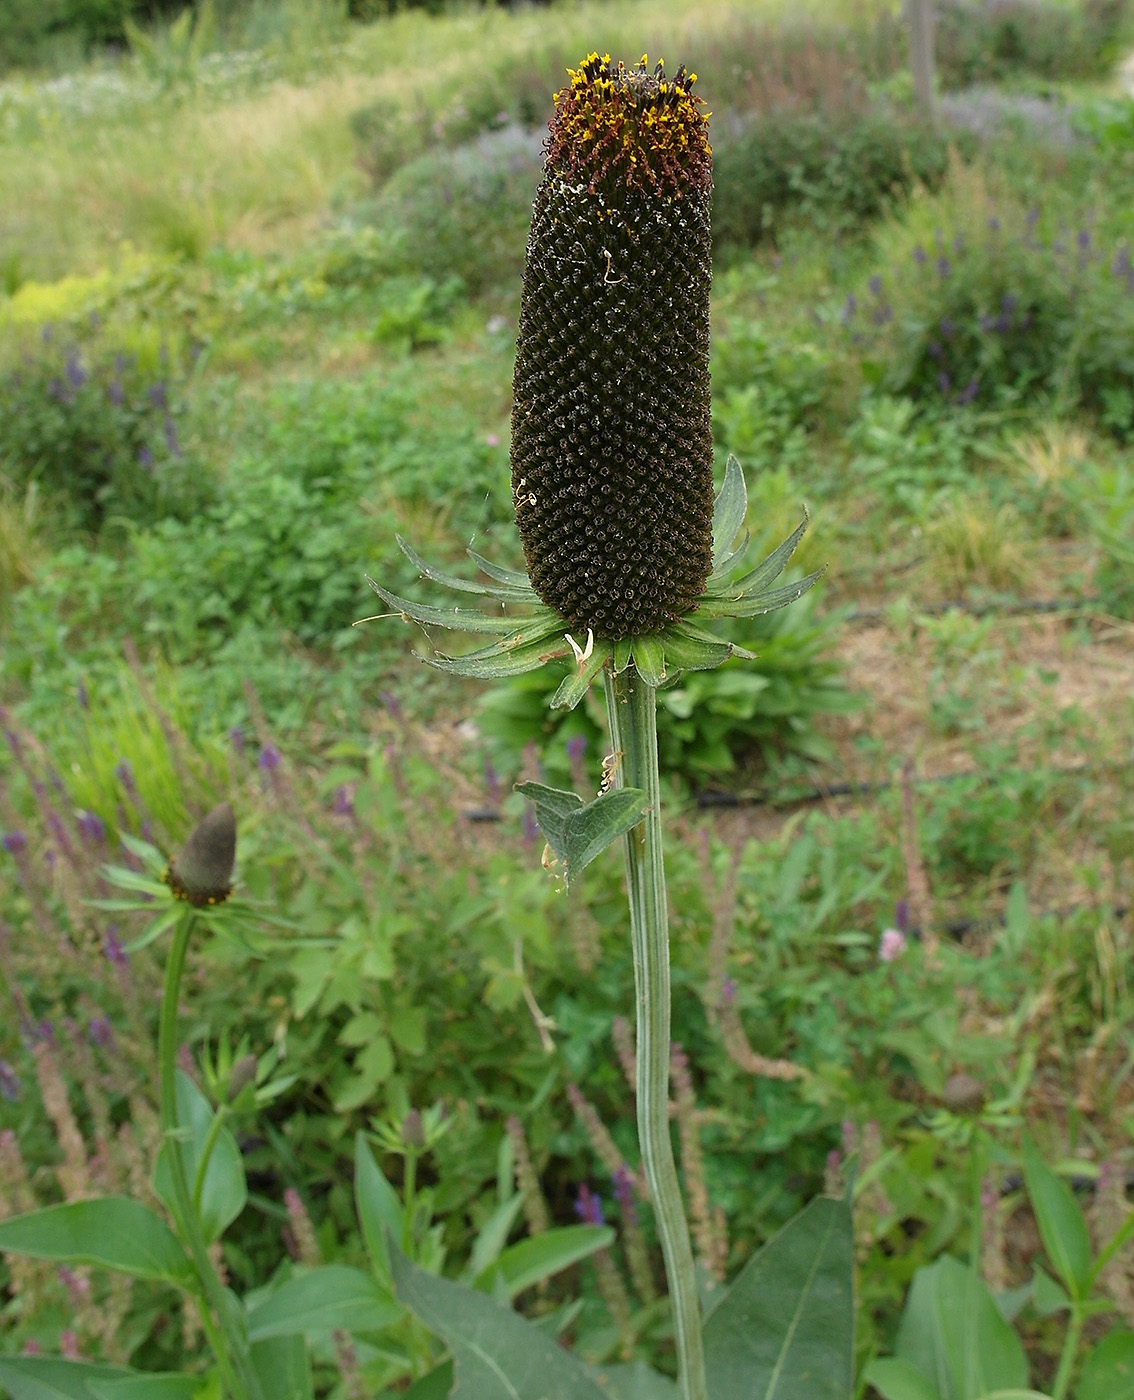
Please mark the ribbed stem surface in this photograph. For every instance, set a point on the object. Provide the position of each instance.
(632, 710)
(229, 1346)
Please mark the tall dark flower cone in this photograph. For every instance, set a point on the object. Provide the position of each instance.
(611, 433)
(201, 872)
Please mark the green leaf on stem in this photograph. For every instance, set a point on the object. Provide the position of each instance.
(283, 1368)
(577, 833)
(953, 1334)
(378, 1207)
(52, 1378)
(223, 1192)
(895, 1379)
(492, 1237)
(635, 1381)
(729, 510)
(1061, 1224)
(511, 590)
(498, 1355)
(149, 1387)
(785, 1327)
(109, 1232)
(1109, 1370)
(649, 659)
(539, 1256)
(322, 1301)
(438, 1385)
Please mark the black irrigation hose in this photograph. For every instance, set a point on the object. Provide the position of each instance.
(1005, 607)
(818, 792)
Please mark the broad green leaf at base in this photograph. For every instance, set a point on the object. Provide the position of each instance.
(784, 1330)
(109, 1232)
(498, 1355)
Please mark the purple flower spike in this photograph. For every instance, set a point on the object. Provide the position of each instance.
(92, 828)
(9, 1083)
(902, 916)
(946, 327)
(116, 394)
(269, 758)
(993, 224)
(173, 447)
(391, 702)
(82, 697)
(850, 306)
(101, 1031)
(1083, 239)
(576, 747)
(343, 805)
(113, 949)
(728, 991)
(146, 458)
(14, 842)
(529, 826)
(76, 374)
(492, 781)
(236, 739)
(157, 395)
(875, 285)
(969, 392)
(944, 267)
(588, 1206)
(624, 1194)
(125, 774)
(944, 383)
(920, 256)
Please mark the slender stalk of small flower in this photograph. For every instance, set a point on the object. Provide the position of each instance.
(73, 1174)
(623, 1036)
(611, 1284)
(1110, 1211)
(693, 1164)
(306, 1249)
(527, 1180)
(633, 1238)
(606, 1150)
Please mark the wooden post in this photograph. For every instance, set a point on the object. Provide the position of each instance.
(919, 16)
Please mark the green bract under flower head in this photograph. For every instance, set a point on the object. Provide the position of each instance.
(611, 431)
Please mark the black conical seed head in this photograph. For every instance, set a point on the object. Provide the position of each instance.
(611, 432)
(202, 871)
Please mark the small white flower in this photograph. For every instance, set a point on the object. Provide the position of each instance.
(581, 653)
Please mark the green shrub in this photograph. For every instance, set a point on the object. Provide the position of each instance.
(465, 212)
(1000, 311)
(988, 40)
(96, 428)
(834, 171)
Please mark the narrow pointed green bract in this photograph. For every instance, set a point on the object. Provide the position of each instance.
(729, 510)
(201, 873)
(611, 431)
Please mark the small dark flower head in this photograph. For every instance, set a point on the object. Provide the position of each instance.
(343, 804)
(944, 267)
(125, 774)
(269, 758)
(116, 394)
(969, 392)
(1083, 239)
(201, 873)
(850, 306)
(946, 327)
(413, 1131)
(157, 395)
(962, 1094)
(145, 457)
(243, 1073)
(236, 739)
(993, 224)
(875, 285)
(944, 383)
(173, 446)
(920, 256)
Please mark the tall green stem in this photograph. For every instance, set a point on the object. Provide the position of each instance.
(225, 1333)
(631, 706)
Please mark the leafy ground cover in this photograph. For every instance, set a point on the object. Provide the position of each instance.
(258, 317)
